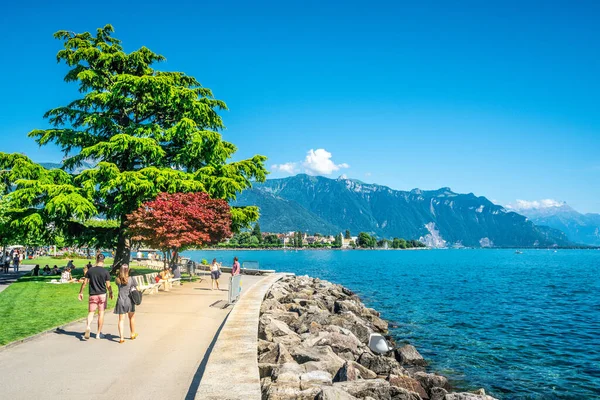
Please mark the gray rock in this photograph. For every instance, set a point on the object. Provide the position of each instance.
(333, 393)
(315, 379)
(354, 324)
(266, 370)
(352, 371)
(312, 314)
(398, 393)
(341, 306)
(287, 374)
(437, 393)
(370, 311)
(467, 396)
(328, 360)
(381, 365)
(277, 355)
(408, 355)
(288, 317)
(408, 383)
(376, 388)
(270, 304)
(264, 346)
(270, 328)
(284, 392)
(339, 342)
(429, 381)
(377, 323)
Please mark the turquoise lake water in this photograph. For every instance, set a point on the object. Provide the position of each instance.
(522, 326)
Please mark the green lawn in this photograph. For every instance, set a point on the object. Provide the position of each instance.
(32, 305)
(61, 262)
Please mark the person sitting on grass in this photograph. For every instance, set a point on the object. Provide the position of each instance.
(36, 270)
(55, 270)
(46, 270)
(66, 277)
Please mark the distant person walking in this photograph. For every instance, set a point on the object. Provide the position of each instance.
(16, 261)
(99, 281)
(215, 274)
(235, 269)
(124, 304)
(6, 262)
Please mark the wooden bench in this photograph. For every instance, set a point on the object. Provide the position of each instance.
(151, 281)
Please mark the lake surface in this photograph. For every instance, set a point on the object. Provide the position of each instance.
(522, 326)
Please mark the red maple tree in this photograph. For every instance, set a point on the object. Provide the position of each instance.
(174, 222)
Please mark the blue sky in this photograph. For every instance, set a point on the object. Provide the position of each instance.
(501, 99)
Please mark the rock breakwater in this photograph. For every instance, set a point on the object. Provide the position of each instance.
(313, 344)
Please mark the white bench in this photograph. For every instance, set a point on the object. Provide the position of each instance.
(142, 286)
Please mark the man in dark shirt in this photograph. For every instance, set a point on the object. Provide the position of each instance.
(99, 281)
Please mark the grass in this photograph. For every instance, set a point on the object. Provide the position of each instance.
(61, 262)
(31, 305)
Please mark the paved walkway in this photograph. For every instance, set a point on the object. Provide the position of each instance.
(176, 329)
(11, 277)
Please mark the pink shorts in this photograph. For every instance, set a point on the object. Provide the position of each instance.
(97, 302)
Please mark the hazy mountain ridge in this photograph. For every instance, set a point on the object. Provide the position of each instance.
(579, 228)
(440, 216)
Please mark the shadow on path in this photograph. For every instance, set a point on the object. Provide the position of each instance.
(191, 394)
(79, 335)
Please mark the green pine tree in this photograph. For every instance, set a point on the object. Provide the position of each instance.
(146, 131)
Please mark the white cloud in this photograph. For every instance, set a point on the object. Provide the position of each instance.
(534, 204)
(289, 167)
(319, 162)
(343, 176)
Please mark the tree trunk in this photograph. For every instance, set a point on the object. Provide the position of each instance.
(123, 251)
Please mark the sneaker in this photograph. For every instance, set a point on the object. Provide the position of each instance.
(87, 334)
(99, 335)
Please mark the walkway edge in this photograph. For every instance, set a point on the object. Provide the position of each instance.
(232, 369)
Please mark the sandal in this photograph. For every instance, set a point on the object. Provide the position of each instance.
(133, 336)
(122, 341)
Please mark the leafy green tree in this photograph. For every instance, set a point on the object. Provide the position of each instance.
(257, 233)
(147, 131)
(365, 240)
(272, 239)
(337, 242)
(347, 235)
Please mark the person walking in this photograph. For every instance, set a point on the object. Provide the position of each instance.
(99, 280)
(215, 274)
(16, 261)
(6, 262)
(124, 305)
(235, 269)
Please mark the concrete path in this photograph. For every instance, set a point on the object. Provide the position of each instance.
(176, 330)
(235, 353)
(11, 277)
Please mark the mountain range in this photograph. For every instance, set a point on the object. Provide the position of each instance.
(579, 228)
(440, 218)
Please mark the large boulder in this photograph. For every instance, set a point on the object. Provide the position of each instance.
(333, 393)
(378, 324)
(376, 388)
(437, 393)
(310, 316)
(324, 355)
(266, 370)
(467, 396)
(381, 365)
(287, 374)
(341, 306)
(339, 342)
(277, 355)
(270, 328)
(398, 393)
(264, 346)
(354, 324)
(408, 355)
(283, 392)
(270, 304)
(429, 381)
(408, 383)
(315, 379)
(352, 371)
(288, 317)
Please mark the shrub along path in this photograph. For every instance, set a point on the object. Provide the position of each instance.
(176, 330)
